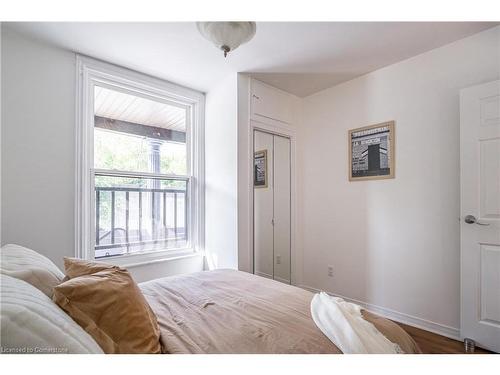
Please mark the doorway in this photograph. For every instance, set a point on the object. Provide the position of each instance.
(272, 206)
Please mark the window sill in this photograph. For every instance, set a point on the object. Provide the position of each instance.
(136, 260)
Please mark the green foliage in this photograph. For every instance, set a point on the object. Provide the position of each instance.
(124, 152)
(117, 151)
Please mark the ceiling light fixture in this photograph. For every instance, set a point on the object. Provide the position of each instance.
(227, 36)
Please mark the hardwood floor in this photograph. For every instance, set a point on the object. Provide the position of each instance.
(431, 343)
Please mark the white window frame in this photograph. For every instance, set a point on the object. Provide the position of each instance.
(91, 72)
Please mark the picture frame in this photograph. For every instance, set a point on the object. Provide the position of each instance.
(260, 169)
(372, 152)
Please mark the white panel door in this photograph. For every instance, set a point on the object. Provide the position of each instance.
(263, 211)
(480, 214)
(282, 209)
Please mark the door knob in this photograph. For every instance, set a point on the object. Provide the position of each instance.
(470, 219)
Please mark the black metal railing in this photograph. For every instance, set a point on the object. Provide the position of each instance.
(158, 229)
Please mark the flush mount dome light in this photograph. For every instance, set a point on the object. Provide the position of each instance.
(227, 36)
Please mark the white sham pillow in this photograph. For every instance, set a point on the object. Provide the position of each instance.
(31, 323)
(30, 266)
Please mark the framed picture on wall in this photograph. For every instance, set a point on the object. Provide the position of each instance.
(260, 169)
(371, 152)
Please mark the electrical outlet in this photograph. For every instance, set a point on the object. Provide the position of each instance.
(330, 271)
(278, 259)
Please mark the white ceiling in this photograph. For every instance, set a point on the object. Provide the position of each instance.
(299, 57)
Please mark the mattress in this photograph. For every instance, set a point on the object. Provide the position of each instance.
(228, 311)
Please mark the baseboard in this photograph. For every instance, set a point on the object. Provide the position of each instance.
(427, 325)
(263, 275)
(285, 281)
(271, 277)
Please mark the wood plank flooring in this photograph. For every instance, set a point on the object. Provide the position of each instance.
(431, 343)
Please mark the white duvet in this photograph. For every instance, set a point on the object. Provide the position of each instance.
(344, 325)
(30, 322)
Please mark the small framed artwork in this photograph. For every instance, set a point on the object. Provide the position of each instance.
(371, 152)
(260, 169)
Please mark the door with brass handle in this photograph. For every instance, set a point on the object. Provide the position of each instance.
(470, 219)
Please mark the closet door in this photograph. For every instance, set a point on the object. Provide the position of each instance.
(282, 209)
(263, 210)
(272, 207)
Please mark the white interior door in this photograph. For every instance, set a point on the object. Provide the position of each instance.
(480, 214)
(263, 210)
(282, 243)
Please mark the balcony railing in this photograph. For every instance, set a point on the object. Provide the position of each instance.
(147, 219)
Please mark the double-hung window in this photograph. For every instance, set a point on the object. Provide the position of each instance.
(140, 158)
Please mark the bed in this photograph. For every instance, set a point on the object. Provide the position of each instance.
(98, 308)
(228, 311)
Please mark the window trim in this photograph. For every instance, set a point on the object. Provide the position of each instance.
(90, 72)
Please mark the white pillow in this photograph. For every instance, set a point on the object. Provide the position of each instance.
(31, 323)
(28, 265)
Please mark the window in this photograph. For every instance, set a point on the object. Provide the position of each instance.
(139, 152)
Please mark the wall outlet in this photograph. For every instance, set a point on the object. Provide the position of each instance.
(330, 271)
(278, 259)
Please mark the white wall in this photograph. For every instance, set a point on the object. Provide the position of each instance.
(221, 232)
(392, 243)
(38, 138)
(38, 153)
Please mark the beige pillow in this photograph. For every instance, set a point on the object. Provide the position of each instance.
(75, 267)
(28, 265)
(109, 305)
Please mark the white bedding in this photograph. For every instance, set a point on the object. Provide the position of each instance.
(28, 265)
(343, 323)
(31, 323)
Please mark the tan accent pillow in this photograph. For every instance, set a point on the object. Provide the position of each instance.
(109, 305)
(393, 332)
(75, 267)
